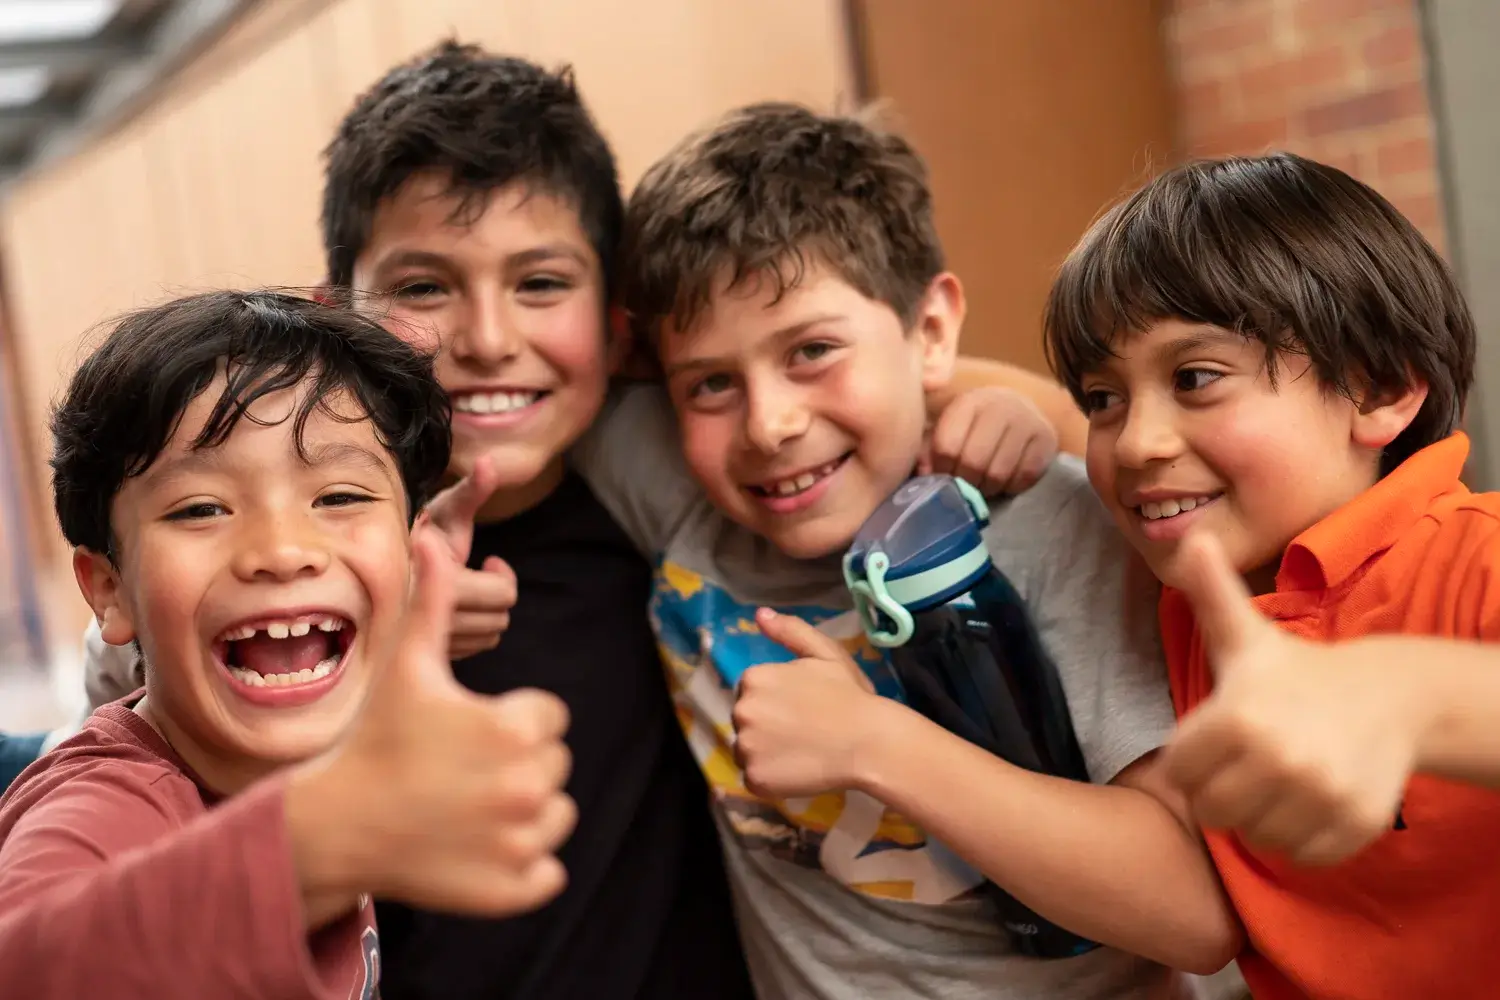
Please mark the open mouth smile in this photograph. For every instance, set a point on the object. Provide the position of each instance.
(285, 659)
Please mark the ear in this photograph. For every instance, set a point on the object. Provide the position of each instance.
(1381, 417)
(626, 356)
(939, 319)
(100, 583)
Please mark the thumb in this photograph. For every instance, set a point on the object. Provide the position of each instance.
(453, 510)
(1220, 599)
(429, 606)
(799, 636)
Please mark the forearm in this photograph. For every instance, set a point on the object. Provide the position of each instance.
(1459, 685)
(201, 911)
(1053, 400)
(1110, 863)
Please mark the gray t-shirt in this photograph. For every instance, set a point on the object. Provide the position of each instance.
(838, 897)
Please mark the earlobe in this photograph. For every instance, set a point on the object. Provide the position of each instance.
(100, 583)
(939, 321)
(1380, 418)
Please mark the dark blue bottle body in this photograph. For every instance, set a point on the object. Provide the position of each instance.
(961, 641)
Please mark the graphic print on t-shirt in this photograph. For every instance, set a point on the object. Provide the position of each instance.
(708, 640)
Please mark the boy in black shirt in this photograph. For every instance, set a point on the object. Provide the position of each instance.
(471, 201)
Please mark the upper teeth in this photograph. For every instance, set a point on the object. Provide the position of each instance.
(1152, 510)
(494, 402)
(798, 483)
(280, 630)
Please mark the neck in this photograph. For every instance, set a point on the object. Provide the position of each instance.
(218, 775)
(505, 504)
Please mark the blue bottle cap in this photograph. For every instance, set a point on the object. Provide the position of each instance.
(920, 549)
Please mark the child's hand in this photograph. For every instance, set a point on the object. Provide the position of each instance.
(437, 796)
(799, 726)
(996, 439)
(1303, 748)
(484, 596)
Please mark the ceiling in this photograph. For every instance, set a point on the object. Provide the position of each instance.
(68, 66)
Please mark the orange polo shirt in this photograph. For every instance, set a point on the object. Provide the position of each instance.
(1417, 914)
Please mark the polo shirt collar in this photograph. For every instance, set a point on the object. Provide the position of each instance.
(1329, 552)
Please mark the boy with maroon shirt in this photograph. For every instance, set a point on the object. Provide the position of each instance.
(238, 473)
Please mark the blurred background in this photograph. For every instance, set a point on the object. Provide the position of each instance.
(151, 147)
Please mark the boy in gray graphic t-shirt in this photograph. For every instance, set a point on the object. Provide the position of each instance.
(785, 269)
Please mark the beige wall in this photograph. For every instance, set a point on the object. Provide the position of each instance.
(218, 182)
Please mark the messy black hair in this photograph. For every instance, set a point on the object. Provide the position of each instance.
(484, 121)
(127, 398)
(1296, 254)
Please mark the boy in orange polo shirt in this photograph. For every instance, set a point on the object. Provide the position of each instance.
(1274, 364)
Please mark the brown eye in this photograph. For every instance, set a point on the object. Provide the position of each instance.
(1192, 379)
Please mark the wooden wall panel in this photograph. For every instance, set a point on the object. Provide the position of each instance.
(1032, 117)
(217, 184)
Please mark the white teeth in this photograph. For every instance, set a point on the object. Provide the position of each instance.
(1155, 510)
(494, 402)
(796, 484)
(250, 677)
(283, 630)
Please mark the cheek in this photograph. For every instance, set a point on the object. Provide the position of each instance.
(706, 443)
(423, 331)
(571, 337)
(1098, 457)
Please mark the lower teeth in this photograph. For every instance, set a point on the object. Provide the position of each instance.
(254, 679)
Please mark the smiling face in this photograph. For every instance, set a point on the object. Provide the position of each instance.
(514, 300)
(1187, 431)
(800, 416)
(257, 580)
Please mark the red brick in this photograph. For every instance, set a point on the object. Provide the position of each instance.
(1396, 157)
(1376, 107)
(1395, 48)
(1240, 137)
(1223, 29)
(1320, 18)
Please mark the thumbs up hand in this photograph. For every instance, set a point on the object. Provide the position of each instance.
(437, 796)
(799, 726)
(483, 597)
(1303, 748)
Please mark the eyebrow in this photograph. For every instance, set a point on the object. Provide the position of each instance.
(780, 336)
(311, 457)
(521, 258)
(1198, 339)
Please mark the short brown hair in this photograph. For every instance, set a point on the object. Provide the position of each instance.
(761, 192)
(1294, 253)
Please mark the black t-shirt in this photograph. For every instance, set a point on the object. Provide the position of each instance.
(647, 912)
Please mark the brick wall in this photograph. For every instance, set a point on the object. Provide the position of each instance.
(1341, 81)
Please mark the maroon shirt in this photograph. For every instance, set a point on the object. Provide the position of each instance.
(121, 876)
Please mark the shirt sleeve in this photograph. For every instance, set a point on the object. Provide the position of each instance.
(632, 459)
(104, 893)
(1094, 603)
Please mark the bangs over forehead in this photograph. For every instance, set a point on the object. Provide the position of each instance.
(1295, 254)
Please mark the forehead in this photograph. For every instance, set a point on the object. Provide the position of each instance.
(738, 314)
(427, 214)
(1168, 339)
(336, 431)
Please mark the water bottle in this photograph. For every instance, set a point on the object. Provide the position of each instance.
(962, 644)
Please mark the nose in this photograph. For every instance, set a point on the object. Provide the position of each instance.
(487, 335)
(1150, 435)
(776, 413)
(279, 549)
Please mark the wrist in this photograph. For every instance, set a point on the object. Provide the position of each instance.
(886, 728)
(329, 855)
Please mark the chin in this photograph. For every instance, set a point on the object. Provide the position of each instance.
(814, 541)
